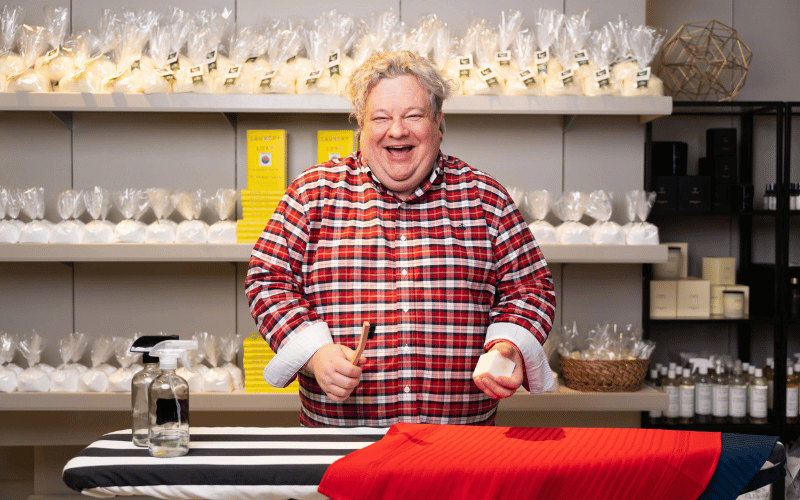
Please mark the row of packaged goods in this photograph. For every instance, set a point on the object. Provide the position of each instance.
(208, 52)
(718, 390)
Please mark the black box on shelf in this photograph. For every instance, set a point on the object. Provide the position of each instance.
(723, 169)
(694, 193)
(761, 280)
(666, 188)
(724, 197)
(669, 158)
(721, 142)
(742, 197)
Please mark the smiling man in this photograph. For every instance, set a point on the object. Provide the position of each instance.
(432, 252)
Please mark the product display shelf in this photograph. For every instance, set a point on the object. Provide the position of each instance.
(564, 399)
(745, 113)
(647, 108)
(240, 252)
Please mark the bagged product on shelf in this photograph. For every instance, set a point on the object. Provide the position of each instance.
(421, 38)
(35, 378)
(10, 61)
(192, 75)
(645, 42)
(318, 48)
(236, 80)
(223, 201)
(132, 204)
(100, 66)
(58, 62)
(84, 45)
(38, 229)
(95, 379)
(638, 204)
(230, 347)
(570, 208)
(190, 205)
(132, 63)
(9, 378)
(526, 81)
(120, 379)
(518, 196)
(282, 47)
(216, 379)
(507, 30)
(340, 65)
(577, 29)
(10, 203)
(158, 79)
(216, 23)
(162, 230)
(445, 56)
(65, 378)
(624, 64)
(70, 206)
(257, 62)
(566, 82)
(604, 231)
(375, 34)
(480, 42)
(538, 202)
(32, 44)
(98, 203)
(547, 24)
(196, 357)
(602, 81)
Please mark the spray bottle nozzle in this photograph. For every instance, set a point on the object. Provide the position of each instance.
(169, 351)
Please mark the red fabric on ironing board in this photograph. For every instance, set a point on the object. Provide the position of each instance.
(426, 461)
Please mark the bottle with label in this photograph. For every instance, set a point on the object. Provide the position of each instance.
(758, 398)
(140, 385)
(169, 401)
(655, 415)
(769, 371)
(687, 391)
(704, 396)
(737, 400)
(673, 397)
(794, 298)
(721, 394)
(791, 396)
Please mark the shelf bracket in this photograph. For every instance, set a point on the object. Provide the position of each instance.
(568, 119)
(64, 117)
(232, 118)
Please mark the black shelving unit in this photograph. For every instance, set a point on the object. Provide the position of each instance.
(745, 112)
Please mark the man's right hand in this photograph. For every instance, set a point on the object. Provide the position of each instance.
(334, 372)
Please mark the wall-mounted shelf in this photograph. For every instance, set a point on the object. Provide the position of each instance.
(240, 252)
(646, 108)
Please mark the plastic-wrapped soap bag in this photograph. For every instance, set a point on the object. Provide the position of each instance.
(38, 229)
(317, 40)
(100, 67)
(223, 201)
(638, 204)
(645, 42)
(546, 26)
(538, 202)
(602, 81)
(65, 378)
(480, 41)
(10, 203)
(282, 46)
(517, 196)
(132, 204)
(231, 344)
(526, 81)
(604, 231)
(85, 45)
(444, 56)
(624, 65)
(565, 83)
(159, 78)
(120, 379)
(70, 206)
(9, 377)
(196, 357)
(95, 379)
(192, 75)
(578, 32)
(215, 23)
(35, 378)
(132, 63)
(32, 44)
(58, 62)
(257, 62)
(162, 230)
(235, 80)
(570, 208)
(98, 203)
(507, 30)
(190, 205)
(10, 61)
(340, 65)
(216, 379)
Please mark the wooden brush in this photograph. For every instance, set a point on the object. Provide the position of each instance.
(365, 331)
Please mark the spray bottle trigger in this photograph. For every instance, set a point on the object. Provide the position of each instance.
(186, 363)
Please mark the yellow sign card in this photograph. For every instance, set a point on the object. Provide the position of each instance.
(266, 160)
(333, 144)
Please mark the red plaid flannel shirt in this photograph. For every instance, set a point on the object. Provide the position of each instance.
(430, 273)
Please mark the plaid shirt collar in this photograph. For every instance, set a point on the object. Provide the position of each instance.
(434, 179)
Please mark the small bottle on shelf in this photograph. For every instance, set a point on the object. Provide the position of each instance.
(655, 415)
(687, 391)
(704, 397)
(758, 398)
(794, 298)
(721, 393)
(673, 397)
(769, 371)
(791, 396)
(737, 399)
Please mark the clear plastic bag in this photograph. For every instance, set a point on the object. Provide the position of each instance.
(65, 378)
(216, 379)
(318, 47)
(59, 61)
(132, 204)
(9, 378)
(604, 231)
(546, 26)
(162, 230)
(196, 357)
(526, 81)
(566, 82)
(236, 80)
(282, 48)
(602, 49)
(231, 344)
(98, 203)
(223, 202)
(645, 42)
(120, 379)
(95, 379)
(132, 63)
(570, 208)
(10, 61)
(38, 229)
(578, 33)
(508, 29)
(32, 44)
(639, 204)
(190, 205)
(35, 378)
(11, 201)
(539, 202)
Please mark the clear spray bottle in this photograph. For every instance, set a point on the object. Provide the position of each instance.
(140, 386)
(169, 401)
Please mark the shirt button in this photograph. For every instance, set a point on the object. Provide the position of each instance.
(406, 389)
(406, 348)
(404, 272)
(402, 237)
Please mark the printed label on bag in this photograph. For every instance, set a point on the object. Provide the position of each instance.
(266, 80)
(172, 61)
(251, 59)
(232, 75)
(567, 77)
(211, 61)
(48, 58)
(527, 77)
(333, 63)
(503, 58)
(111, 80)
(642, 78)
(196, 74)
(489, 76)
(75, 75)
(137, 64)
(602, 77)
(540, 59)
(464, 66)
(581, 57)
(312, 77)
(166, 74)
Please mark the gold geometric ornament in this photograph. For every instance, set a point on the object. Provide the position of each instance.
(705, 59)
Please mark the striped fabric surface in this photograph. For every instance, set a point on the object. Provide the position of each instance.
(223, 463)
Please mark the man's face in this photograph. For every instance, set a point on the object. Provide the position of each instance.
(400, 137)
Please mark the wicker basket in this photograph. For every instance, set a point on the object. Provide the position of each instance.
(604, 375)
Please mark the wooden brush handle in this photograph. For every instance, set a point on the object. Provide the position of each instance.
(361, 343)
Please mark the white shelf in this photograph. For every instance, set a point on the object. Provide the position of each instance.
(240, 252)
(648, 398)
(645, 107)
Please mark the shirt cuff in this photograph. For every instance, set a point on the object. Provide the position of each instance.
(540, 376)
(290, 358)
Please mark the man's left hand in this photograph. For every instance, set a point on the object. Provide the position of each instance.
(502, 387)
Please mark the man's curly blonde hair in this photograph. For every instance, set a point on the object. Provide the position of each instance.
(391, 65)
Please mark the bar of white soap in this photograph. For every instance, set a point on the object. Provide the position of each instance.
(494, 364)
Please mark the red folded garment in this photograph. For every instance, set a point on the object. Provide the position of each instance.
(425, 461)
